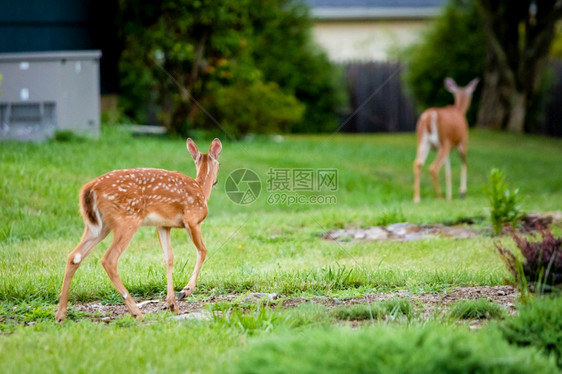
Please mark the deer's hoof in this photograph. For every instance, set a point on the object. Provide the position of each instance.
(174, 308)
(139, 316)
(59, 318)
(185, 292)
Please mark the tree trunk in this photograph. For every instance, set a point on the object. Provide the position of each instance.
(514, 60)
(502, 59)
(492, 108)
(518, 111)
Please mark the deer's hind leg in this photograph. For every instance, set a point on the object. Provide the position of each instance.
(442, 155)
(122, 235)
(421, 155)
(164, 237)
(90, 239)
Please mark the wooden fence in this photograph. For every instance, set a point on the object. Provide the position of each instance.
(378, 102)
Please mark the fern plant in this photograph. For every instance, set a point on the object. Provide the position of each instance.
(505, 203)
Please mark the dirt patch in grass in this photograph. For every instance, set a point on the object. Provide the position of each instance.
(401, 231)
(426, 303)
(462, 229)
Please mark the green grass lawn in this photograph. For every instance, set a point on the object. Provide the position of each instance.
(260, 247)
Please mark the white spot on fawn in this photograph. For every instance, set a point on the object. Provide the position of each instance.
(125, 296)
(77, 258)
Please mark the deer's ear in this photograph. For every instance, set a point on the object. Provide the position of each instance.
(472, 85)
(450, 85)
(215, 148)
(192, 148)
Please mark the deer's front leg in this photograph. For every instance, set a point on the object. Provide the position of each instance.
(462, 153)
(195, 233)
(164, 237)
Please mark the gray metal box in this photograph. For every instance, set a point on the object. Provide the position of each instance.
(42, 92)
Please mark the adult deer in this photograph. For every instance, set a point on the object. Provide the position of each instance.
(124, 200)
(442, 129)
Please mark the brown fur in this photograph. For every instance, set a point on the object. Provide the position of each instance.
(126, 199)
(452, 132)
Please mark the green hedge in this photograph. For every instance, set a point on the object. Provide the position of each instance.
(455, 46)
(383, 349)
(538, 324)
(259, 108)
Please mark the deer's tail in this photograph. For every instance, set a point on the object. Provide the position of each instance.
(89, 209)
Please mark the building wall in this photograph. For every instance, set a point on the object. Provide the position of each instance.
(368, 40)
(43, 92)
(80, 96)
(64, 25)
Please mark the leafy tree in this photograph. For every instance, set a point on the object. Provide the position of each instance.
(292, 60)
(453, 47)
(179, 54)
(518, 38)
(173, 49)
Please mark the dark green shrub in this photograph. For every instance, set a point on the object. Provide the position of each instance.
(429, 349)
(174, 51)
(505, 203)
(257, 108)
(476, 309)
(538, 324)
(285, 53)
(440, 55)
(179, 54)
